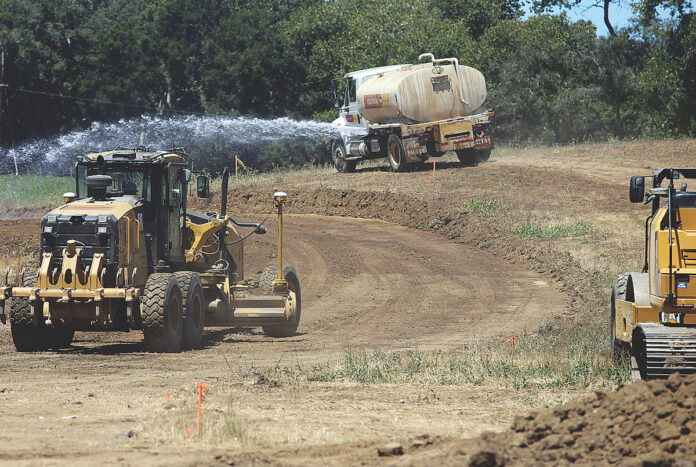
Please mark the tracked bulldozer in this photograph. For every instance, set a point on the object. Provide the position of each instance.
(125, 253)
(653, 312)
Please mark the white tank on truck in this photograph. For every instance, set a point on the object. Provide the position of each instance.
(409, 113)
(422, 93)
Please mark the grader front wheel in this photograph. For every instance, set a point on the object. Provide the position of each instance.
(162, 313)
(288, 330)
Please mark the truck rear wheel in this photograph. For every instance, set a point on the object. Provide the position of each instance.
(162, 313)
(467, 157)
(194, 309)
(288, 330)
(25, 336)
(482, 155)
(396, 153)
(338, 154)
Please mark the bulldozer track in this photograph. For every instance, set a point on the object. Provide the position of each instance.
(667, 350)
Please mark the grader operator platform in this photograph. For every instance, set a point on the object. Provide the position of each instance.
(653, 312)
(124, 252)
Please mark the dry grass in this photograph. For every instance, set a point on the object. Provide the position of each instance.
(177, 421)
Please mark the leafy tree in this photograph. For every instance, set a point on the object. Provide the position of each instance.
(542, 76)
(248, 66)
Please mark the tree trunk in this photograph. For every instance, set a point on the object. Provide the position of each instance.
(606, 18)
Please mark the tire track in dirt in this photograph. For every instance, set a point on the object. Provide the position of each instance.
(365, 283)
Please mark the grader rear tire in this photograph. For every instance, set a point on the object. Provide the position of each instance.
(288, 330)
(194, 309)
(25, 336)
(59, 338)
(162, 313)
(482, 155)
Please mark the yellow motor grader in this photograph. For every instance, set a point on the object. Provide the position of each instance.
(124, 252)
(653, 312)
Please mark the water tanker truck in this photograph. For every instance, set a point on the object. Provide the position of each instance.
(409, 113)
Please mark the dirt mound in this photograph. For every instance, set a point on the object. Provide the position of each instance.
(645, 423)
(486, 233)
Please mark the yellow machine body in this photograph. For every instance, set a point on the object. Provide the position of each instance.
(654, 311)
(100, 251)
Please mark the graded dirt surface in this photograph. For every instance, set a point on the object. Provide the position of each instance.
(390, 263)
(364, 283)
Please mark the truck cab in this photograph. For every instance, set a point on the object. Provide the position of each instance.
(349, 113)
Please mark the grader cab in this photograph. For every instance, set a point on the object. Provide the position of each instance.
(124, 252)
(653, 312)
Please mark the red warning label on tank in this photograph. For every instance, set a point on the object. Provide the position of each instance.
(375, 101)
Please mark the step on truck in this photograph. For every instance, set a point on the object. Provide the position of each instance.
(409, 113)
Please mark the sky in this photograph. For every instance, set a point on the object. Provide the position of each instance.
(620, 14)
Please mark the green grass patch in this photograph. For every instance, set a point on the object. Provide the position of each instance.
(28, 191)
(483, 207)
(434, 222)
(576, 229)
(550, 358)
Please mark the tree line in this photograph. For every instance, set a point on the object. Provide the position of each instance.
(550, 80)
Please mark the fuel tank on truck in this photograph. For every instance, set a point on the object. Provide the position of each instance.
(420, 93)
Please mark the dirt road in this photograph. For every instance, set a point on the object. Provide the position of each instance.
(365, 283)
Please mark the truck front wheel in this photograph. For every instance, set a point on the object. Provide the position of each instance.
(396, 153)
(338, 154)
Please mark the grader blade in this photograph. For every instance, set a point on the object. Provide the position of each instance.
(256, 311)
